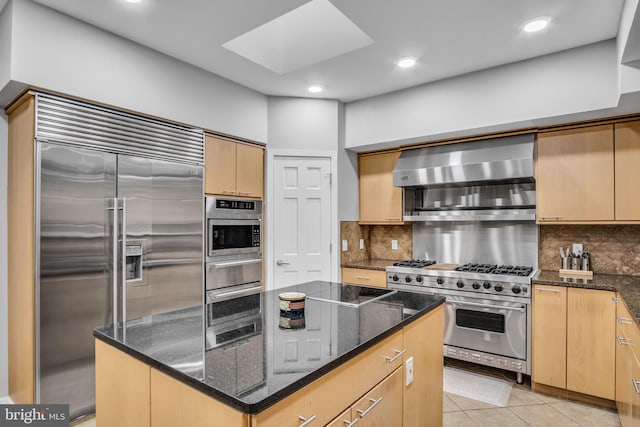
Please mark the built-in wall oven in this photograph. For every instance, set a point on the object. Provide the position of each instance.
(234, 248)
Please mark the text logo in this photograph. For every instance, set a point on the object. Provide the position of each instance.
(34, 415)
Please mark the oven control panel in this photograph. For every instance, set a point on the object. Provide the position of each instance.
(497, 287)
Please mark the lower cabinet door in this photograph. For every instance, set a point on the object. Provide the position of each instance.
(382, 406)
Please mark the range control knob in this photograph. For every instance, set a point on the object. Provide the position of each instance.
(407, 279)
(395, 278)
(419, 279)
(460, 284)
(440, 281)
(475, 285)
(486, 285)
(516, 289)
(498, 288)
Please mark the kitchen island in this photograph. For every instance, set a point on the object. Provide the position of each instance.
(352, 360)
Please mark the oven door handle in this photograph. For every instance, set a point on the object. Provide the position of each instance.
(212, 297)
(233, 263)
(495, 307)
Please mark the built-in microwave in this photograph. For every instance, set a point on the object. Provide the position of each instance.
(234, 226)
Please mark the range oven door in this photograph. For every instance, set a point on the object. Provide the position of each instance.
(486, 325)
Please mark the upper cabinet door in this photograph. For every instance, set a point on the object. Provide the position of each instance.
(250, 170)
(233, 168)
(627, 160)
(220, 166)
(575, 176)
(380, 201)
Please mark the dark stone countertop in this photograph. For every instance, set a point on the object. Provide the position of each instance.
(370, 264)
(627, 286)
(264, 368)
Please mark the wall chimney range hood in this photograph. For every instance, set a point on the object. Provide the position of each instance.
(489, 180)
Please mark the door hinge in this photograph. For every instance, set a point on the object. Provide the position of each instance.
(330, 175)
(330, 247)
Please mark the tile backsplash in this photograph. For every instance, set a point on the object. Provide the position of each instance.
(377, 241)
(614, 249)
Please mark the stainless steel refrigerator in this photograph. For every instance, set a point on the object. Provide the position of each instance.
(120, 237)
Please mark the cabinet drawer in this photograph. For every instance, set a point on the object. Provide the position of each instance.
(361, 276)
(336, 391)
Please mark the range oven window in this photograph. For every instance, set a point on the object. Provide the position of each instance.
(481, 320)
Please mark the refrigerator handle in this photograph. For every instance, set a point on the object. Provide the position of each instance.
(124, 264)
(114, 238)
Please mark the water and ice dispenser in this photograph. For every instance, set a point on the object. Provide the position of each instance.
(134, 261)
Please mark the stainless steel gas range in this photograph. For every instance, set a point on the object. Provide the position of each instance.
(487, 309)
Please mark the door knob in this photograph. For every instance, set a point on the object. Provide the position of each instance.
(281, 262)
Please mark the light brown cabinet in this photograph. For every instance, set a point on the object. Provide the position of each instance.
(627, 172)
(549, 340)
(627, 367)
(577, 354)
(575, 175)
(380, 201)
(233, 168)
(366, 277)
(382, 406)
(587, 174)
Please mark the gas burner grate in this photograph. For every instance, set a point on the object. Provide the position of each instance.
(511, 270)
(476, 268)
(414, 263)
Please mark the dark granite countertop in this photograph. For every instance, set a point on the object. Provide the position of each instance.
(265, 364)
(627, 286)
(370, 264)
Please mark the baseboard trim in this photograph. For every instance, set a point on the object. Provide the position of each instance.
(572, 395)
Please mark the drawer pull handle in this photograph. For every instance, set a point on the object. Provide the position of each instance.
(551, 217)
(636, 385)
(625, 321)
(244, 193)
(394, 219)
(399, 353)
(555, 291)
(348, 423)
(623, 341)
(374, 402)
(362, 277)
(616, 300)
(229, 192)
(306, 421)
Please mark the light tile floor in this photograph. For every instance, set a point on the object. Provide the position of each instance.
(524, 408)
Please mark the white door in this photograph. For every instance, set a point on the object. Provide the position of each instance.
(302, 220)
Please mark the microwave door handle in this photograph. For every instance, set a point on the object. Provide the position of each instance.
(234, 263)
(495, 307)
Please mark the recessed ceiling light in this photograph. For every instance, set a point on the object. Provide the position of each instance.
(536, 24)
(315, 89)
(133, 1)
(406, 62)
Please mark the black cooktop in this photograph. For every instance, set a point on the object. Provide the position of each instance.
(509, 270)
(415, 263)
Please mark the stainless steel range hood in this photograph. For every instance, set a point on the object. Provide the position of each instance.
(490, 180)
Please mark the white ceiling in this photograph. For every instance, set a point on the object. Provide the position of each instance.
(450, 37)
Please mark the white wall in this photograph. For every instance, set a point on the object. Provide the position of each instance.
(347, 175)
(56, 52)
(4, 379)
(302, 123)
(512, 96)
(5, 45)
